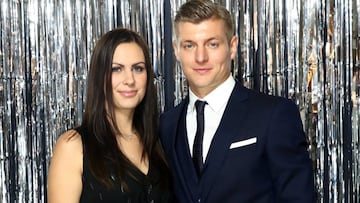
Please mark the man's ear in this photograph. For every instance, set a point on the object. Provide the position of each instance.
(233, 46)
(176, 49)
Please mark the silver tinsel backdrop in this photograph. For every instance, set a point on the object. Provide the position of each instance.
(306, 50)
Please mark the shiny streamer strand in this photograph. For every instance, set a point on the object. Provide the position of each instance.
(308, 51)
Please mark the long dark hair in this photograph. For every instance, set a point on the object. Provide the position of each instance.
(100, 145)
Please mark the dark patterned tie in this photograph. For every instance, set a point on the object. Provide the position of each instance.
(198, 142)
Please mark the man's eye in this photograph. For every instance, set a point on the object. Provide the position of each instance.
(213, 44)
(138, 68)
(116, 69)
(188, 46)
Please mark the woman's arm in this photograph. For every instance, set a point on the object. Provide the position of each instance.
(65, 172)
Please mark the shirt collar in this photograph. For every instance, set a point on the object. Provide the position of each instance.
(222, 91)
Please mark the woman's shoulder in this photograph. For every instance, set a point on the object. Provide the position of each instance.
(69, 139)
(69, 147)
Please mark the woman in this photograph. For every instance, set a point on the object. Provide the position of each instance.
(115, 155)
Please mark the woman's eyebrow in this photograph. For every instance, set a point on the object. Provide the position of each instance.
(135, 64)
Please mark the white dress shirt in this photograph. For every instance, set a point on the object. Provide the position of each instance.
(214, 110)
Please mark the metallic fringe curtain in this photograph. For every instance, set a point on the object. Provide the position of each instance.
(306, 50)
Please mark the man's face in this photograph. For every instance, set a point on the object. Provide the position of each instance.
(205, 54)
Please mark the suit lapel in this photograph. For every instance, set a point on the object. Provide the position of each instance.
(184, 157)
(179, 145)
(235, 112)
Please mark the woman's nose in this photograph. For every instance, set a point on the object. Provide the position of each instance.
(128, 78)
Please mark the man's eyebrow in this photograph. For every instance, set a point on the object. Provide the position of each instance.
(187, 41)
(206, 40)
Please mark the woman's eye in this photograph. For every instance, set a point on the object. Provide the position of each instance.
(116, 69)
(138, 68)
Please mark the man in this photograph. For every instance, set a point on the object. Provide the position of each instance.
(252, 146)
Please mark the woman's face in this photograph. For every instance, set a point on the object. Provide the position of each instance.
(128, 76)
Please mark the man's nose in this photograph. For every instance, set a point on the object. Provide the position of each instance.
(201, 54)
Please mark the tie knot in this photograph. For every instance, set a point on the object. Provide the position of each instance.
(200, 105)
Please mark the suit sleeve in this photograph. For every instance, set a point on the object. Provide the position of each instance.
(289, 160)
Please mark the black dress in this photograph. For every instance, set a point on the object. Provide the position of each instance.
(143, 188)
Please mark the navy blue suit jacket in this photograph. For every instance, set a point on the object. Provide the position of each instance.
(268, 161)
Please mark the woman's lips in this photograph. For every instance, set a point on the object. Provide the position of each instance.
(128, 93)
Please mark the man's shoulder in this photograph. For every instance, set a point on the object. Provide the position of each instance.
(177, 107)
(264, 98)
